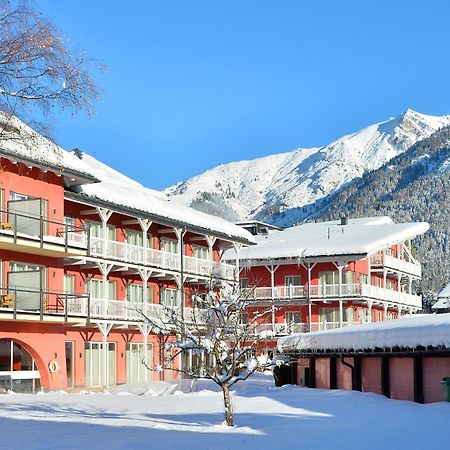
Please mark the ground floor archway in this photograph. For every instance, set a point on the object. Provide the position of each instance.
(18, 369)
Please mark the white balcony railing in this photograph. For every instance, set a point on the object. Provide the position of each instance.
(283, 329)
(334, 291)
(136, 311)
(397, 264)
(277, 293)
(123, 251)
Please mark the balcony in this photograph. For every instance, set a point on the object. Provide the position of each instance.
(123, 310)
(122, 251)
(40, 304)
(23, 232)
(382, 260)
(50, 306)
(333, 292)
(276, 293)
(285, 329)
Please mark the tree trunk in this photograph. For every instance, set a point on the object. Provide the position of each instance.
(227, 404)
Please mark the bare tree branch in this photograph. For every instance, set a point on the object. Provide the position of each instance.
(38, 72)
(212, 333)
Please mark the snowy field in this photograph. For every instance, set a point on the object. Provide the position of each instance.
(163, 417)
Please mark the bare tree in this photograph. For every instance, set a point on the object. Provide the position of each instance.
(215, 334)
(38, 72)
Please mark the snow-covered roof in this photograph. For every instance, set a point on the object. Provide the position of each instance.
(442, 303)
(443, 299)
(407, 332)
(117, 189)
(359, 237)
(21, 143)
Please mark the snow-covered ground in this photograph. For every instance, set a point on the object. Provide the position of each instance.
(267, 418)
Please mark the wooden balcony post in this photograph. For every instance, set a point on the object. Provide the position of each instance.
(237, 249)
(105, 215)
(145, 226)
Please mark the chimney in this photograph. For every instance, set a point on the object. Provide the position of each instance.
(344, 220)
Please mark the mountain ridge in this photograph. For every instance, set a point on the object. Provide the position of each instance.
(288, 187)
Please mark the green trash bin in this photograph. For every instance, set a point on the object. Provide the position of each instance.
(446, 384)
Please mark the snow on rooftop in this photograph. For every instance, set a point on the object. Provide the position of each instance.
(443, 299)
(359, 236)
(118, 189)
(407, 332)
(442, 303)
(25, 144)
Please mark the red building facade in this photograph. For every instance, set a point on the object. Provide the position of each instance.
(83, 252)
(320, 276)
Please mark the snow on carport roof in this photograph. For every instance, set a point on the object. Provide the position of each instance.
(359, 236)
(116, 188)
(407, 332)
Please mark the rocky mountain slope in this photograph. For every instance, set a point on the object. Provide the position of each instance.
(289, 187)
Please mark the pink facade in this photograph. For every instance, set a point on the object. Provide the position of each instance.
(70, 281)
(409, 376)
(344, 374)
(371, 375)
(434, 370)
(401, 378)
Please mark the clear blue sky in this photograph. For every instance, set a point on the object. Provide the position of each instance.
(195, 83)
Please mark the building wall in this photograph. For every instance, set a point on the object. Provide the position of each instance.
(401, 378)
(401, 375)
(344, 374)
(45, 341)
(371, 375)
(434, 370)
(35, 183)
(323, 373)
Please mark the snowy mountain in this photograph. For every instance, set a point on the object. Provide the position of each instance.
(288, 187)
(414, 186)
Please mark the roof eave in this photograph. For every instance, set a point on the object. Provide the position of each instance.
(154, 217)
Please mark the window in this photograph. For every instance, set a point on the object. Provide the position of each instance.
(390, 284)
(95, 364)
(243, 319)
(137, 238)
(364, 315)
(135, 293)
(136, 355)
(95, 288)
(363, 278)
(14, 196)
(244, 283)
(198, 299)
(18, 371)
(348, 277)
(200, 251)
(69, 284)
(25, 283)
(377, 315)
(169, 297)
(332, 314)
(168, 245)
(96, 230)
(292, 280)
(292, 317)
(69, 221)
(376, 281)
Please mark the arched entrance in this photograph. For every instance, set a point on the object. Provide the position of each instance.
(18, 370)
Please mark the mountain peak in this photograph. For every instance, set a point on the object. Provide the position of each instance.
(286, 188)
